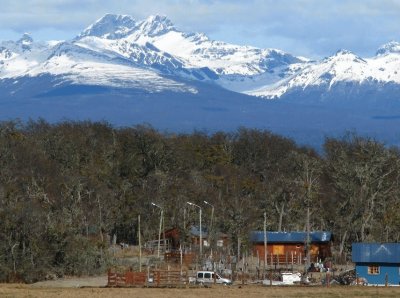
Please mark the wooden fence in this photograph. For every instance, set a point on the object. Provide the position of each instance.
(160, 278)
(127, 279)
(170, 278)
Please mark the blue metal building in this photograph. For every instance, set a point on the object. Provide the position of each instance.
(378, 263)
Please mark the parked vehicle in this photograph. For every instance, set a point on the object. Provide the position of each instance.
(208, 277)
(285, 279)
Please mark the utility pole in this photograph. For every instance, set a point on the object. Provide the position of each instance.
(159, 230)
(307, 245)
(140, 246)
(265, 243)
(184, 234)
(201, 238)
(165, 240)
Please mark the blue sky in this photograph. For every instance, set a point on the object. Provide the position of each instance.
(311, 28)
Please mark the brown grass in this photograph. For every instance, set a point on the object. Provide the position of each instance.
(17, 290)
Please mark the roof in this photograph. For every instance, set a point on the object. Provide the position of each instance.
(290, 237)
(195, 231)
(376, 252)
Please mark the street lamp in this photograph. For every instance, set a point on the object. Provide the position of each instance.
(210, 235)
(201, 239)
(212, 213)
(159, 231)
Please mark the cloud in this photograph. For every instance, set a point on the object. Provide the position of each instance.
(307, 27)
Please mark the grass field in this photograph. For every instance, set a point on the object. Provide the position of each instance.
(18, 290)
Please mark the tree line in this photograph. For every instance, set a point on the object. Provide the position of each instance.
(66, 189)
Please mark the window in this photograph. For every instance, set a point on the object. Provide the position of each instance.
(199, 275)
(207, 275)
(278, 249)
(373, 269)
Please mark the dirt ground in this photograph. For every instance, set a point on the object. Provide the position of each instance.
(236, 291)
(71, 282)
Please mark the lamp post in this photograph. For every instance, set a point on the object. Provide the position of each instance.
(159, 231)
(201, 239)
(211, 221)
(212, 213)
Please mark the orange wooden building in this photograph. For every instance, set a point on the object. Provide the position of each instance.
(290, 247)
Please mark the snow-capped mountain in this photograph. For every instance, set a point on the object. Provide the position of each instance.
(238, 68)
(152, 45)
(128, 71)
(78, 62)
(110, 26)
(120, 48)
(392, 47)
(343, 76)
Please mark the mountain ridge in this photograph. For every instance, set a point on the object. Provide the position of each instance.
(156, 43)
(128, 71)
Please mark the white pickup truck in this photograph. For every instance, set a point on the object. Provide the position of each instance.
(209, 277)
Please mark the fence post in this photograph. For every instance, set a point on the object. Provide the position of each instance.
(292, 258)
(328, 278)
(187, 278)
(286, 260)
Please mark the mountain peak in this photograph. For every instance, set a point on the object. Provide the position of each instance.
(156, 25)
(343, 52)
(25, 42)
(345, 56)
(390, 47)
(111, 26)
(26, 39)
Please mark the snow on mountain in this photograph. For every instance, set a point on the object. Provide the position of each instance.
(340, 70)
(145, 56)
(390, 47)
(23, 45)
(101, 55)
(111, 26)
(195, 50)
(16, 58)
(117, 48)
(155, 26)
(79, 65)
(5, 54)
(199, 51)
(234, 67)
(130, 72)
(97, 61)
(25, 42)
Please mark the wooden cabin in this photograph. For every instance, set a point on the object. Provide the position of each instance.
(175, 239)
(290, 247)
